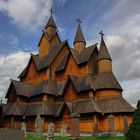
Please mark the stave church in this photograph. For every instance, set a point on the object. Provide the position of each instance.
(61, 80)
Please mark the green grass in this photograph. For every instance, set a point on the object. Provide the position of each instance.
(31, 137)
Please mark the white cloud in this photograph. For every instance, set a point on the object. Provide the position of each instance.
(29, 14)
(125, 54)
(10, 67)
(131, 91)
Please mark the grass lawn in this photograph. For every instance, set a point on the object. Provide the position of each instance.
(31, 137)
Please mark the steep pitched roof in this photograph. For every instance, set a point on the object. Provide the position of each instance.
(62, 64)
(43, 62)
(101, 105)
(84, 56)
(84, 81)
(106, 80)
(49, 37)
(51, 22)
(85, 106)
(81, 106)
(33, 109)
(79, 37)
(114, 105)
(103, 52)
(49, 87)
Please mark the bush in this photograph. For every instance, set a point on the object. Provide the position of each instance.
(134, 131)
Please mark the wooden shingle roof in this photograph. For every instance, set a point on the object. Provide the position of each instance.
(62, 64)
(33, 109)
(45, 87)
(105, 80)
(80, 106)
(103, 52)
(100, 105)
(114, 105)
(43, 62)
(51, 22)
(79, 37)
(85, 106)
(84, 56)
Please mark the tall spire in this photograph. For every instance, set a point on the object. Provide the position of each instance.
(79, 37)
(51, 21)
(103, 52)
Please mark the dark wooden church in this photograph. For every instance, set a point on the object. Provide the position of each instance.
(60, 80)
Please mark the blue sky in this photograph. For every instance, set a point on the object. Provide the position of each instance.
(21, 23)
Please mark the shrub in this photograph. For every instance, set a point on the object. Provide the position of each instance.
(133, 132)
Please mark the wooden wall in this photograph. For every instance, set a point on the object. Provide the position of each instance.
(33, 76)
(12, 96)
(72, 69)
(104, 65)
(108, 93)
(72, 95)
(87, 122)
(46, 44)
(79, 46)
(103, 122)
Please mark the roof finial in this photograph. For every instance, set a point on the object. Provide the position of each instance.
(79, 21)
(101, 33)
(51, 11)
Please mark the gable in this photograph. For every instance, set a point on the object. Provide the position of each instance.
(71, 68)
(43, 46)
(47, 42)
(73, 92)
(11, 94)
(31, 71)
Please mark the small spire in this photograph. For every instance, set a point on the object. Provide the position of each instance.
(101, 33)
(51, 11)
(51, 21)
(103, 52)
(79, 21)
(79, 37)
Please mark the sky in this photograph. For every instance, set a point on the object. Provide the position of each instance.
(21, 24)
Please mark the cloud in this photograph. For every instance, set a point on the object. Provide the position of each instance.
(10, 67)
(126, 57)
(131, 91)
(28, 14)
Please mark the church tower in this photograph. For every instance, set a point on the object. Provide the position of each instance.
(79, 41)
(50, 37)
(51, 27)
(104, 59)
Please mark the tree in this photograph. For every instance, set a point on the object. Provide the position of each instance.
(134, 131)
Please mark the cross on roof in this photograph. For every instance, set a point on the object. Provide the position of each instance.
(101, 33)
(51, 11)
(79, 21)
